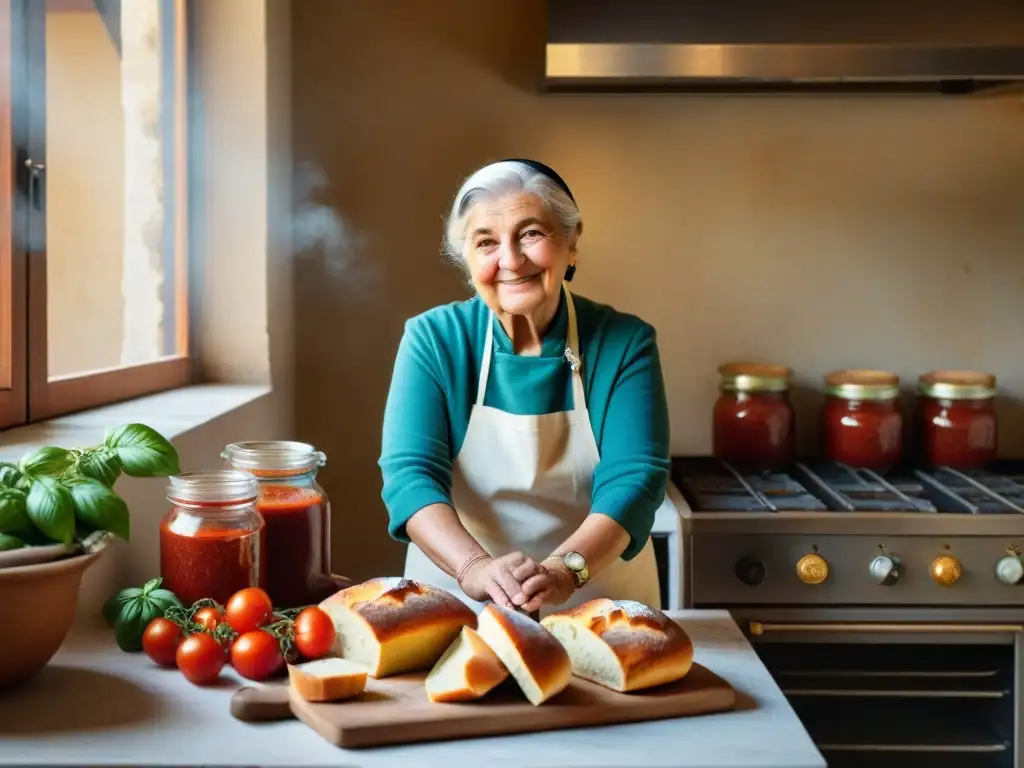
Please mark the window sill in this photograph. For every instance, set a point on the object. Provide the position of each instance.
(170, 413)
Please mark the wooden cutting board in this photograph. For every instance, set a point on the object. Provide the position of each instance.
(396, 710)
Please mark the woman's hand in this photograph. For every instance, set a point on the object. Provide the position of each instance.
(553, 585)
(501, 579)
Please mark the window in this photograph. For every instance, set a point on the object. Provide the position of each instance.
(93, 203)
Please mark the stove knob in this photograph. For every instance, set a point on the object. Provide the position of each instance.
(885, 569)
(812, 569)
(946, 570)
(1010, 570)
(750, 571)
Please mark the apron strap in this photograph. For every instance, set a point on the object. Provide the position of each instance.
(485, 362)
(572, 349)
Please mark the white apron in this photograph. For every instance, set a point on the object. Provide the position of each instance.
(523, 483)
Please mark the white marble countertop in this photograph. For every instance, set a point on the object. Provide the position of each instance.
(95, 705)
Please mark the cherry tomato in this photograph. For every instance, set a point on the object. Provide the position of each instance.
(160, 641)
(256, 655)
(200, 658)
(208, 618)
(314, 632)
(248, 609)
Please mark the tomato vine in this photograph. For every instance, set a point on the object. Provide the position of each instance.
(281, 626)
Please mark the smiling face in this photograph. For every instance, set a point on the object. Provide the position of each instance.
(516, 255)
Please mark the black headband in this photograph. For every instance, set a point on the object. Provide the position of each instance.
(546, 171)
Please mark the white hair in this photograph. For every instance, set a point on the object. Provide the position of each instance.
(499, 179)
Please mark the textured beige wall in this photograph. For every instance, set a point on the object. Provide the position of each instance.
(818, 232)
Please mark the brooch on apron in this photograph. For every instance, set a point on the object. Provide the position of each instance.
(574, 361)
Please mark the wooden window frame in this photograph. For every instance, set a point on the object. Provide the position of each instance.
(31, 394)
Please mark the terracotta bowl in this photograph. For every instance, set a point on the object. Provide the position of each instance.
(37, 608)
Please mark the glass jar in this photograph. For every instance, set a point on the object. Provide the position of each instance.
(211, 540)
(754, 424)
(297, 513)
(956, 423)
(861, 422)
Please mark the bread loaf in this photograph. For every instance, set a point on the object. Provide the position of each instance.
(531, 654)
(392, 625)
(621, 644)
(466, 671)
(327, 679)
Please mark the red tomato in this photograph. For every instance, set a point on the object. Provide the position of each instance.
(248, 609)
(200, 658)
(314, 632)
(160, 641)
(208, 618)
(256, 655)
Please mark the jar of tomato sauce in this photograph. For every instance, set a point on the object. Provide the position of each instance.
(297, 513)
(955, 420)
(211, 540)
(754, 423)
(861, 422)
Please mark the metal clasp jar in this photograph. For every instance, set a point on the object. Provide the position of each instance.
(297, 513)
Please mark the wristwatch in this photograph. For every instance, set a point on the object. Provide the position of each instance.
(577, 565)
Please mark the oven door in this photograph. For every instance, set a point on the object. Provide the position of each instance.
(898, 693)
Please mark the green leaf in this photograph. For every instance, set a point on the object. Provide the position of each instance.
(142, 451)
(112, 608)
(152, 584)
(52, 510)
(165, 599)
(13, 513)
(98, 506)
(9, 474)
(128, 626)
(49, 461)
(102, 465)
(10, 542)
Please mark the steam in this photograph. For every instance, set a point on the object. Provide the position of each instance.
(320, 233)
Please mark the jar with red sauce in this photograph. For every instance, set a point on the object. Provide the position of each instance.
(754, 423)
(955, 421)
(861, 422)
(211, 540)
(297, 514)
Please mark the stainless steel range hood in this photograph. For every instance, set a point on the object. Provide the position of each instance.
(945, 46)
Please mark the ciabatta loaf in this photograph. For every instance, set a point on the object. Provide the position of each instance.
(621, 644)
(466, 671)
(327, 679)
(531, 654)
(392, 625)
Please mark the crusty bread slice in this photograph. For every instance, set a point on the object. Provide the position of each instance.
(327, 679)
(468, 670)
(392, 625)
(531, 654)
(622, 644)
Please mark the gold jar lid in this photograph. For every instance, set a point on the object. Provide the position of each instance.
(754, 377)
(862, 384)
(957, 385)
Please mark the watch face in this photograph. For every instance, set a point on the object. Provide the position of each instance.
(574, 561)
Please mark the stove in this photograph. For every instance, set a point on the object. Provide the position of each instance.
(894, 601)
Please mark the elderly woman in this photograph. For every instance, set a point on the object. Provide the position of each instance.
(526, 436)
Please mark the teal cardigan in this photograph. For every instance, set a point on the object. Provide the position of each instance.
(433, 389)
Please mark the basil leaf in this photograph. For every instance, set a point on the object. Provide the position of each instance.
(52, 510)
(102, 465)
(129, 626)
(13, 514)
(165, 599)
(98, 506)
(142, 451)
(49, 461)
(9, 474)
(152, 584)
(10, 542)
(112, 608)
